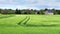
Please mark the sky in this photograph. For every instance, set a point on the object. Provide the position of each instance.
(29, 4)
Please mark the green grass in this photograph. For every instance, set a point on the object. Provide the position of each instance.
(44, 20)
(34, 24)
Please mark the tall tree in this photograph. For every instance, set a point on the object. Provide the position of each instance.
(42, 11)
(0, 10)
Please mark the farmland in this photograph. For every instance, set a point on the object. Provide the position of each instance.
(29, 24)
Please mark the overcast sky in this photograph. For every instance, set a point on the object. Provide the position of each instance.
(30, 4)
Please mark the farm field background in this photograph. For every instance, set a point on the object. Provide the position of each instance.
(29, 24)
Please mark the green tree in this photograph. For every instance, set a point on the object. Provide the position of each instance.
(42, 11)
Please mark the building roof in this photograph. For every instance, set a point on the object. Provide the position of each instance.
(50, 11)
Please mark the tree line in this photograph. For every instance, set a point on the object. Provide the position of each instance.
(26, 11)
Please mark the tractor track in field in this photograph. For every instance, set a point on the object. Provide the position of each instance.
(24, 21)
(2, 17)
(27, 18)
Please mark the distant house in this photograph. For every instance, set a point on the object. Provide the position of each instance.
(48, 12)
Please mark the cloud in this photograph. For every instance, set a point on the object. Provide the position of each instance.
(25, 7)
(31, 4)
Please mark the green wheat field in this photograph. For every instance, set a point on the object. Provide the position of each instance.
(29, 24)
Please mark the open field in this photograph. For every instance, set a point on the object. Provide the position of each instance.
(29, 24)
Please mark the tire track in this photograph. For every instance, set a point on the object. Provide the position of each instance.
(27, 20)
(24, 21)
(2, 17)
